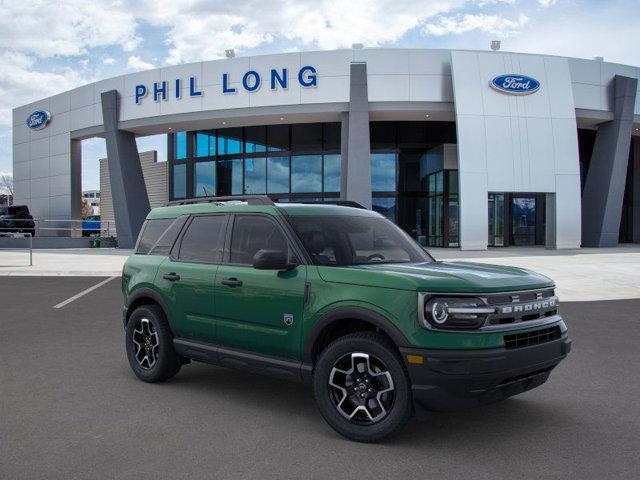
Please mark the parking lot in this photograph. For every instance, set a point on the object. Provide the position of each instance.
(70, 408)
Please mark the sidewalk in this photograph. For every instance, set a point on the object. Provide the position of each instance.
(581, 275)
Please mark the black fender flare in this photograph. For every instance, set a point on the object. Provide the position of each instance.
(354, 313)
(146, 292)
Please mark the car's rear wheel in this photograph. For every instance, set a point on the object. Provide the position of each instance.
(362, 388)
(149, 345)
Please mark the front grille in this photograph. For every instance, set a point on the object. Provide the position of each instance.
(519, 307)
(535, 337)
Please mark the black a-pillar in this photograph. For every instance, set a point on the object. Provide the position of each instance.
(128, 190)
(605, 183)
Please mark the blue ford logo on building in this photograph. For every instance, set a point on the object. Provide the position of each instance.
(515, 84)
(38, 119)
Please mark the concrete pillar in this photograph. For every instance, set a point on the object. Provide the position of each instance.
(551, 228)
(604, 187)
(636, 190)
(355, 178)
(129, 193)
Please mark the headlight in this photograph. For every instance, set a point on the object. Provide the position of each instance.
(454, 312)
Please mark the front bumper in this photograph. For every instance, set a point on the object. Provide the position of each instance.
(455, 379)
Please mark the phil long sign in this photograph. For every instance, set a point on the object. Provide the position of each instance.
(515, 84)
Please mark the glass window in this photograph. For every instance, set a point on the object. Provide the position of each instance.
(412, 134)
(383, 135)
(332, 136)
(255, 175)
(278, 138)
(354, 240)
(255, 139)
(332, 173)
(252, 233)
(306, 173)
(278, 175)
(385, 206)
(383, 172)
(167, 239)
(229, 141)
(204, 179)
(205, 144)
(229, 177)
(204, 239)
(180, 180)
(306, 136)
(152, 231)
(180, 146)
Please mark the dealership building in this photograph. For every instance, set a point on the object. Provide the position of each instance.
(460, 148)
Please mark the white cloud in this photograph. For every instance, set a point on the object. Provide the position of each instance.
(547, 3)
(136, 63)
(108, 61)
(46, 28)
(491, 24)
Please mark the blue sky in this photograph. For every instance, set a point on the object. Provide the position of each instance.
(50, 47)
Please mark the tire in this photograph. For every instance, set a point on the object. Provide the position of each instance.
(377, 399)
(149, 345)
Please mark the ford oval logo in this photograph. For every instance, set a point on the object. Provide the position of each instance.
(38, 119)
(515, 84)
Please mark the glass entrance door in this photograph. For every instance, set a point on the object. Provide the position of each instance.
(496, 220)
(523, 220)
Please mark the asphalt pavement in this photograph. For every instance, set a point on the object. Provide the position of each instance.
(70, 408)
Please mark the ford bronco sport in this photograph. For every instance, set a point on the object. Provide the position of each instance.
(338, 297)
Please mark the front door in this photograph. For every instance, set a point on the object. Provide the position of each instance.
(259, 310)
(187, 277)
(523, 220)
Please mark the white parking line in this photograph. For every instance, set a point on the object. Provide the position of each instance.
(84, 292)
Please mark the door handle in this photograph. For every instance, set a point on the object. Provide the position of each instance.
(232, 282)
(172, 277)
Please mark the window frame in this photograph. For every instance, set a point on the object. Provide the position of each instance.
(177, 245)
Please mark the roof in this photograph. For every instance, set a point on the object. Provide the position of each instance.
(293, 209)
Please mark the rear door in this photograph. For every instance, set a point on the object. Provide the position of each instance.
(259, 310)
(187, 277)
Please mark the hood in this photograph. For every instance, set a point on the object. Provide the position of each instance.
(451, 277)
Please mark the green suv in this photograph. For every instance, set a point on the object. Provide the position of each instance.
(338, 297)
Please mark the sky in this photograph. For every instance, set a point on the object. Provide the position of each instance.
(48, 46)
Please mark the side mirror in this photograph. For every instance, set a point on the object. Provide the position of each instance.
(272, 260)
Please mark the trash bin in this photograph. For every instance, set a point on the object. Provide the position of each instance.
(95, 243)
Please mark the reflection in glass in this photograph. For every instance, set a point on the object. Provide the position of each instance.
(180, 180)
(255, 175)
(180, 146)
(385, 206)
(383, 172)
(230, 177)
(278, 175)
(306, 173)
(204, 179)
(332, 173)
(255, 139)
(229, 141)
(306, 137)
(205, 144)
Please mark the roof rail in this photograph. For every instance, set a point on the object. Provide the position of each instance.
(341, 203)
(250, 199)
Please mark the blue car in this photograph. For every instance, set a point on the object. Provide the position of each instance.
(91, 225)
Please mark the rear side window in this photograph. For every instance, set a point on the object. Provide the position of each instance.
(168, 238)
(204, 239)
(151, 233)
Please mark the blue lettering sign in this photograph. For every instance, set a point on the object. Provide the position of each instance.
(515, 84)
(251, 86)
(225, 84)
(141, 92)
(192, 88)
(309, 80)
(157, 90)
(275, 77)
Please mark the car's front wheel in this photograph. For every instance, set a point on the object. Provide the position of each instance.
(149, 345)
(362, 388)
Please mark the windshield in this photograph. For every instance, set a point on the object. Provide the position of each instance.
(340, 240)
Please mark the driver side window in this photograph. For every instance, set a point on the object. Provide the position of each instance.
(252, 233)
